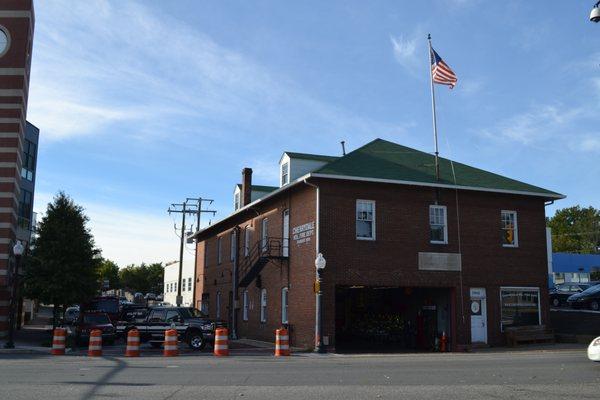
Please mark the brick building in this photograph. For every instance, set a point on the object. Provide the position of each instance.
(409, 256)
(16, 39)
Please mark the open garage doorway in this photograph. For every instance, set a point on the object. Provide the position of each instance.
(377, 319)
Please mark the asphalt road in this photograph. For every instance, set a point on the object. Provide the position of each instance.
(548, 374)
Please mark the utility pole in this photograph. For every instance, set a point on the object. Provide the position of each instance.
(193, 206)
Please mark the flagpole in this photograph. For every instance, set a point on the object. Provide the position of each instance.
(435, 134)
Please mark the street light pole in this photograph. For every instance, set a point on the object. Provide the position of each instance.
(18, 252)
(320, 263)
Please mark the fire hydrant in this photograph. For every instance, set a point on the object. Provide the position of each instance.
(443, 342)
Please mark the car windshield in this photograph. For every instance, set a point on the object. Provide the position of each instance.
(96, 319)
(592, 290)
(191, 313)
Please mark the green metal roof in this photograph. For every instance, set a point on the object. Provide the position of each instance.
(262, 188)
(315, 157)
(384, 160)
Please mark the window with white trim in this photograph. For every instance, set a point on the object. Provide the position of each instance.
(520, 306)
(284, 305)
(264, 233)
(247, 241)
(285, 174)
(245, 305)
(219, 250)
(263, 305)
(189, 284)
(510, 234)
(236, 200)
(233, 245)
(438, 225)
(365, 220)
(218, 311)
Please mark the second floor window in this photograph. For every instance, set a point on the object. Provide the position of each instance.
(365, 220)
(218, 250)
(247, 241)
(438, 225)
(233, 246)
(264, 234)
(285, 174)
(510, 237)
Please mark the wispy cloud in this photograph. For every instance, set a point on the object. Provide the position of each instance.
(539, 123)
(410, 51)
(110, 62)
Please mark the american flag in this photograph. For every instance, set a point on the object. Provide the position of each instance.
(441, 72)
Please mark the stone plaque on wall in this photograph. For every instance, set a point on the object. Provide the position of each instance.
(440, 261)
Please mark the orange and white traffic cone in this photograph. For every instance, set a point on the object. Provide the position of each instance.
(95, 345)
(133, 344)
(282, 343)
(221, 342)
(58, 342)
(170, 347)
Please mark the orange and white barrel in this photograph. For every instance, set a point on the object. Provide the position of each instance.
(95, 345)
(221, 342)
(133, 344)
(58, 342)
(282, 343)
(170, 346)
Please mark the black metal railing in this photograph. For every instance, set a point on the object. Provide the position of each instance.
(255, 257)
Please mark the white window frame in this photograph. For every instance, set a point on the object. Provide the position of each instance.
(284, 304)
(236, 200)
(373, 221)
(530, 288)
(438, 207)
(233, 238)
(263, 305)
(247, 241)
(516, 227)
(218, 306)
(264, 233)
(245, 305)
(219, 259)
(284, 178)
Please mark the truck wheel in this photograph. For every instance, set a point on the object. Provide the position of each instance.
(195, 340)
(555, 302)
(595, 305)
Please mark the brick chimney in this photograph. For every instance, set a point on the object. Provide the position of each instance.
(246, 186)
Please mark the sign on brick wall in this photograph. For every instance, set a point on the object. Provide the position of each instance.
(440, 261)
(303, 233)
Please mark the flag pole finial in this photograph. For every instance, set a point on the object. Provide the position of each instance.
(429, 36)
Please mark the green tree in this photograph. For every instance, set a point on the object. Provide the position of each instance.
(62, 268)
(144, 278)
(575, 230)
(109, 271)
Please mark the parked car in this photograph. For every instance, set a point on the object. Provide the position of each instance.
(594, 350)
(71, 315)
(193, 327)
(88, 321)
(589, 298)
(560, 293)
(150, 296)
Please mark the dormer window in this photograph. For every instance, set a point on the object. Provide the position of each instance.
(285, 174)
(236, 200)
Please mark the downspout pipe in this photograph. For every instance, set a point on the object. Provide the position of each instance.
(317, 227)
(234, 283)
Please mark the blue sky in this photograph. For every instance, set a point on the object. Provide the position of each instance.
(141, 104)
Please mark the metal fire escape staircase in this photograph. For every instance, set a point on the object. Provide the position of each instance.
(259, 255)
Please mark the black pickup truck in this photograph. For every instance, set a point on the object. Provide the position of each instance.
(193, 327)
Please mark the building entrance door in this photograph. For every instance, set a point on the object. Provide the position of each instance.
(478, 315)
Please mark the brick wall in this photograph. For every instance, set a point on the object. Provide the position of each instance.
(402, 231)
